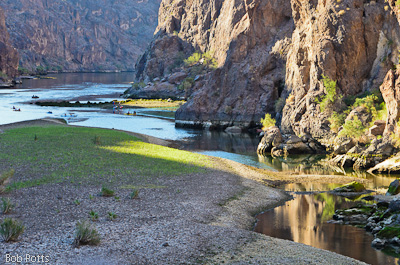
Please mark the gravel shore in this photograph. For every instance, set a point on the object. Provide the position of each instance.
(201, 218)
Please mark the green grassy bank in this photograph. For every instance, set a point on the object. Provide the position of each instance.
(54, 154)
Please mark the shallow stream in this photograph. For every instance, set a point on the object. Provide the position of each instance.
(302, 219)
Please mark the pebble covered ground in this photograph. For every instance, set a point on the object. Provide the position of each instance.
(197, 218)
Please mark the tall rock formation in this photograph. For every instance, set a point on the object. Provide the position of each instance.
(247, 40)
(272, 56)
(351, 42)
(79, 35)
(8, 54)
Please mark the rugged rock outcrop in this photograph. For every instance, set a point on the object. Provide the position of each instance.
(390, 90)
(79, 35)
(8, 54)
(246, 38)
(349, 41)
(273, 53)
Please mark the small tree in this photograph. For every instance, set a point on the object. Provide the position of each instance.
(352, 128)
(267, 121)
(331, 94)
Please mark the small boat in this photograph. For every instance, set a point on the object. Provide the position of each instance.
(49, 112)
(34, 96)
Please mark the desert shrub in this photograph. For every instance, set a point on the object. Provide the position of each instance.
(186, 84)
(5, 179)
(352, 128)
(138, 85)
(11, 229)
(85, 234)
(193, 59)
(107, 192)
(93, 215)
(134, 194)
(208, 60)
(6, 205)
(267, 121)
(336, 121)
(111, 216)
(331, 94)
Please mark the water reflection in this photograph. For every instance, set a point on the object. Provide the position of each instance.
(303, 220)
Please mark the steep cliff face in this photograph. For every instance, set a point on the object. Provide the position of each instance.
(245, 37)
(8, 54)
(349, 41)
(272, 56)
(80, 34)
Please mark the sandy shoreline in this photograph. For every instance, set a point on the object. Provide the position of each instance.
(185, 220)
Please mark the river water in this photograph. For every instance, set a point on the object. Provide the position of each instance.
(302, 219)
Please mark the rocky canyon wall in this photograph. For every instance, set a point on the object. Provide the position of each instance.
(8, 54)
(272, 56)
(80, 35)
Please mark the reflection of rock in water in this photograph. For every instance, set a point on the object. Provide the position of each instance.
(221, 141)
(303, 220)
(304, 164)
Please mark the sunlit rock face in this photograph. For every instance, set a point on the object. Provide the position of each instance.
(272, 55)
(245, 37)
(8, 55)
(80, 35)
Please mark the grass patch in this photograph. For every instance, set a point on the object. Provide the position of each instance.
(85, 234)
(106, 192)
(11, 229)
(154, 103)
(6, 205)
(5, 179)
(67, 154)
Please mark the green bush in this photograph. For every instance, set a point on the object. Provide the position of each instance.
(107, 192)
(331, 93)
(5, 179)
(134, 194)
(193, 59)
(11, 229)
(186, 84)
(93, 215)
(352, 128)
(267, 121)
(336, 121)
(111, 216)
(85, 234)
(138, 85)
(6, 205)
(208, 60)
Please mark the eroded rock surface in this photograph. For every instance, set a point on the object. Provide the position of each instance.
(80, 35)
(8, 54)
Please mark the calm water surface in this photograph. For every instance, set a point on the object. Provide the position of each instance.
(302, 219)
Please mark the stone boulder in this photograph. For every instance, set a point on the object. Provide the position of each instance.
(272, 137)
(394, 188)
(343, 145)
(378, 128)
(350, 187)
(177, 78)
(391, 165)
